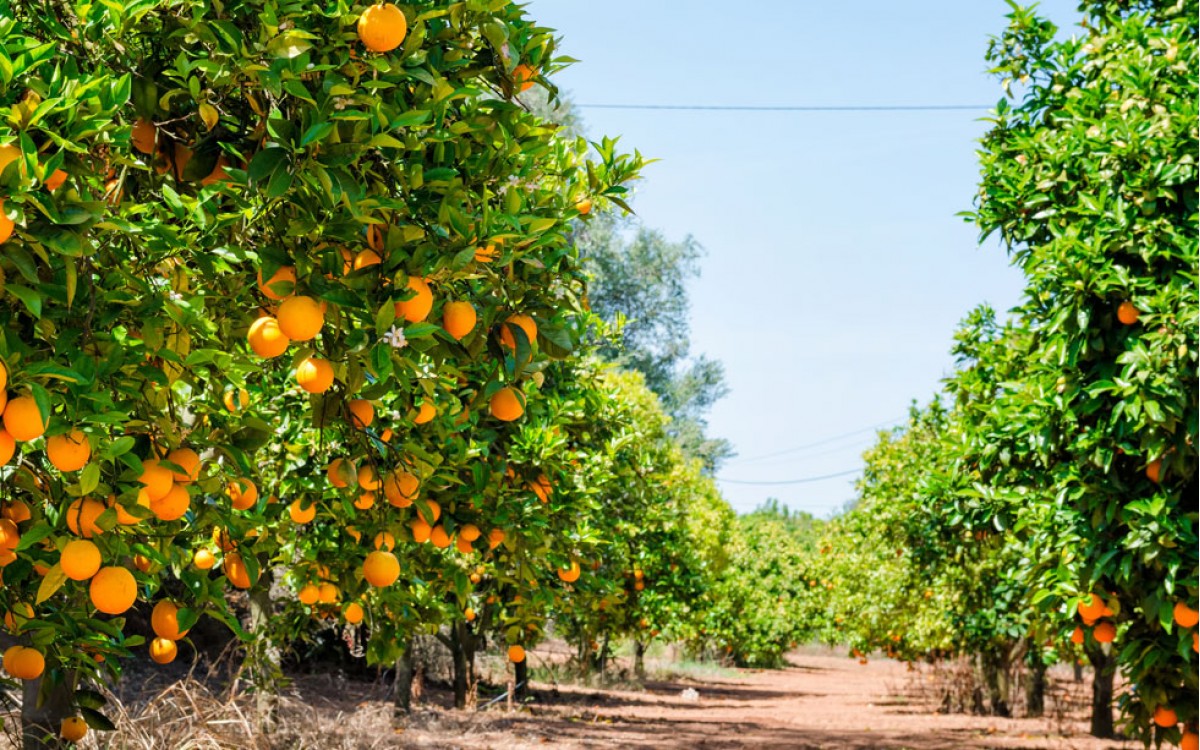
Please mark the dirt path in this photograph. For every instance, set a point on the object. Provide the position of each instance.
(818, 702)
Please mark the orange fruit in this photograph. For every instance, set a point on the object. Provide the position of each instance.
(458, 318)
(236, 400)
(584, 207)
(353, 613)
(1105, 632)
(24, 663)
(366, 259)
(385, 541)
(362, 413)
(421, 530)
(368, 478)
(382, 27)
(542, 488)
(164, 619)
(400, 488)
(1077, 636)
(281, 284)
(73, 728)
(365, 501)
(143, 136)
(486, 254)
(308, 594)
(516, 654)
(6, 224)
(463, 545)
(113, 590)
(381, 568)
(1153, 470)
(507, 404)
(1091, 608)
(569, 574)
(1165, 717)
(523, 76)
(431, 512)
(340, 472)
(157, 479)
(470, 532)
(1185, 616)
(439, 537)
(327, 593)
(236, 572)
(163, 650)
(301, 514)
(243, 493)
(141, 562)
(1127, 313)
(469, 614)
(495, 538)
(23, 420)
(525, 323)
(314, 374)
(425, 413)
(218, 172)
(8, 447)
(1189, 741)
(80, 560)
(266, 338)
(416, 308)
(188, 460)
(56, 180)
(222, 539)
(16, 511)
(300, 318)
(173, 505)
(204, 559)
(124, 517)
(81, 517)
(69, 451)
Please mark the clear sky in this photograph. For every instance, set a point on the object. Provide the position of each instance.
(836, 269)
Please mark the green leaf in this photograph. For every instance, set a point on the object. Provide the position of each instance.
(31, 299)
(51, 583)
(89, 478)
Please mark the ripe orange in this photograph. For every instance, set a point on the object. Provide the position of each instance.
(463, 545)
(470, 532)
(113, 590)
(243, 493)
(280, 286)
(1189, 741)
(584, 207)
(1077, 636)
(340, 472)
(516, 654)
(16, 511)
(24, 663)
(416, 308)
(236, 572)
(69, 451)
(82, 515)
(55, 180)
(1153, 470)
(486, 254)
(1185, 616)
(431, 511)
(381, 568)
(172, 506)
(143, 136)
(1165, 717)
(301, 514)
(385, 541)
(327, 593)
(236, 400)
(366, 259)
(570, 574)
(438, 537)
(353, 613)
(365, 501)
(204, 559)
(507, 404)
(314, 374)
(525, 323)
(124, 517)
(523, 76)
(1091, 608)
(421, 530)
(458, 318)
(163, 650)
(382, 27)
(188, 460)
(164, 618)
(368, 478)
(362, 413)
(300, 318)
(1105, 632)
(80, 560)
(400, 488)
(425, 413)
(266, 338)
(469, 614)
(72, 729)
(308, 594)
(8, 447)
(6, 224)
(222, 539)
(1127, 313)
(158, 479)
(23, 420)
(495, 538)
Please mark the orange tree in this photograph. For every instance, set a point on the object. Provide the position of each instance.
(1089, 178)
(198, 196)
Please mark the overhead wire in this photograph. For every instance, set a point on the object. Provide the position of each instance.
(794, 108)
(803, 480)
(818, 443)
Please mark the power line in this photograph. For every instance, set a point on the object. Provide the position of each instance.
(805, 480)
(819, 443)
(796, 108)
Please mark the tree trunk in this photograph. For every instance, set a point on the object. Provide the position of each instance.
(44, 705)
(402, 701)
(604, 656)
(1078, 670)
(264, 657)
(459, 659)
(522, 678)
(639, 660)
(1035, 684)
(1102, 692)
(994, 663)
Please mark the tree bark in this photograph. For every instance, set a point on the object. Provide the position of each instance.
(264, 656)
(522, 679)
(994, 663)
(639, 660)
(402, 701)
(1102, 692)
(459, 660)
(45, 703)
(1035, 684)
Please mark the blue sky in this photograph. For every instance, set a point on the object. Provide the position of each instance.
(836, 269)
